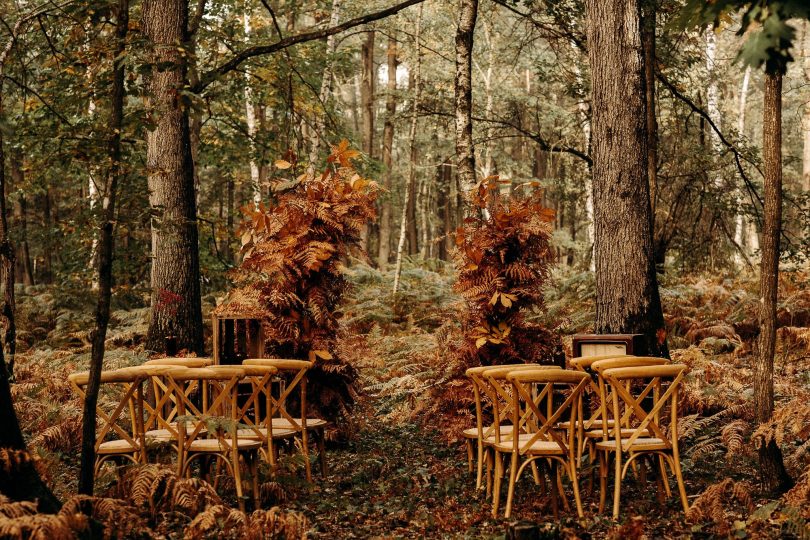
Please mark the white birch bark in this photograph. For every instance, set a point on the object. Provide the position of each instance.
(740, 224)
(250, 114)
(412, 134)
(585, 122)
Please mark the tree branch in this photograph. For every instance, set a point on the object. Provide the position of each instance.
(289, 41)
(738, 157)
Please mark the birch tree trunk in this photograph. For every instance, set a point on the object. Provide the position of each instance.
(384, 251)
(175, 279)
(250, 116)
(413, 156)
(772, 469)
(585, 122)
(412, 137)
(465, 149)
(367, 88)
(316, 144)
(106, 247)
(740, 224)
(712, 92)
(627, 289)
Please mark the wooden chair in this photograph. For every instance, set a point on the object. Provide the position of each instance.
(295, 378)
(255, 411)
(499, 392)
(129, 444)
(483, 391)
(219, 411)
(542, 440)
(592, 420)
(160, 426)
(647, 437)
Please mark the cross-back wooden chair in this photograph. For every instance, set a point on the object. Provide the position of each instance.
(483, 393)
(590, 420)
(643, 406)
(255, 412)
(294, 373)
(498, 390)
(219, 414)
(128, 443)
(162, 408)
(539, 413)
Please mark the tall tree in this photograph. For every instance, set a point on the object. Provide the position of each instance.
(175, 278)
(105, 247)
(627, 290)
(465, 149)
(367, 90)
(384, 252)
(317, 139)
(772, 470)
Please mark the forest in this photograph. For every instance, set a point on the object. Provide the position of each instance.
(512, 269)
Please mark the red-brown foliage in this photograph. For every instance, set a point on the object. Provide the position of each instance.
(503, 261)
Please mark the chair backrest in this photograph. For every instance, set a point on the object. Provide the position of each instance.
(192, 362)
(658, 388)
(294, 373)
(255, 411)
(583, 363)
(562, 391)
(219, 405)
(499, 391)
(129, 401)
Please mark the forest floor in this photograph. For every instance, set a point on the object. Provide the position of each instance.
(402, 471)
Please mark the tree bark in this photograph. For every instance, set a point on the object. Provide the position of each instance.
(23, 483)
(771, 468)
(409, 187)
(627, 290)
(465, 150)
(648, 45)
(367, 89)
(740, 223)
(318, 134)
(23, 272)
(250, 118)
(175, 263)
(384, 251)
(106, 246)
(413, 156)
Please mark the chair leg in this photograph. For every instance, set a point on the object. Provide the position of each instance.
(496, 491)
(561, 491)
(572, 474)
(554, 490)
(679, 477)
(488, 454)
(664, 478)
(468, 444)
(237, 480)
(603, 472)
(305, 448)
(479, 465)
(510, 494)
(322, 451)
(617, 483)
(254, 473)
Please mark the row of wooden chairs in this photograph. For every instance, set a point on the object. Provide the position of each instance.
(203, 411)
(539, 419)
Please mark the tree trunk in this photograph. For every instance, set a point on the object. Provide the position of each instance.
(384, 252)
(741, 253)
(175, 302)
(367, 99)
(413, 242)
(465, 150)
(626, 284)
(23, 272)
(24, 483)
(409, 187)
(771, 468)
(648, 45)
(104, 257)
(318, 134)
(250, 117)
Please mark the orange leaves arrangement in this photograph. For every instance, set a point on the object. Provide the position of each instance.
(292, 254)
(503, 257)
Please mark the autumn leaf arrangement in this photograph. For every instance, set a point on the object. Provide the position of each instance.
(503, 259)
(293, 252)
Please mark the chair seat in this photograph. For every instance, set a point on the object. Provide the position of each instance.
(626, 433)
(597, 424)
(165, 435)
(278, 433)
(639, 445)
(214, 445)
(537, 447)
(472, 433)
(490, 441)
(283, 423)
(118, 446)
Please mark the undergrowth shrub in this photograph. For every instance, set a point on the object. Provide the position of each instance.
(503, 260)
(293, 255)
